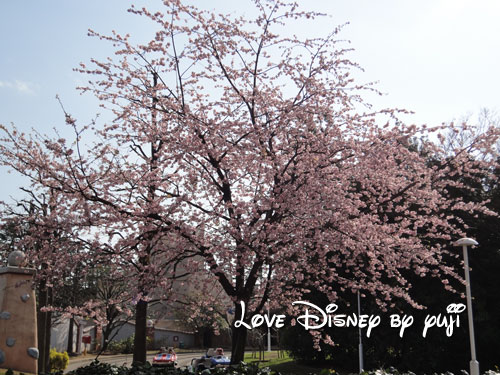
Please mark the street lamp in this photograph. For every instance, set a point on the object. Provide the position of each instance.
(268, 331)
(360, 346)
(474, 364)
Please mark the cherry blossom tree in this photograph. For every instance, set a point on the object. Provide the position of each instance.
(109, 306)
(43, 229)
(77, 274)
(250, 150)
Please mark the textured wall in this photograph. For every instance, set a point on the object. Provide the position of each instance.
(163, 337)
(18, 334)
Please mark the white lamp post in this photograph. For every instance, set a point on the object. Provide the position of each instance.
(474, 364)
(268, 331)
(360, 346)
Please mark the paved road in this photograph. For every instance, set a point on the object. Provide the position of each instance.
(183, 359)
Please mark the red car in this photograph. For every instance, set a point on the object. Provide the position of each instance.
(167, 358)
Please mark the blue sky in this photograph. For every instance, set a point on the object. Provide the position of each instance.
(439, 58)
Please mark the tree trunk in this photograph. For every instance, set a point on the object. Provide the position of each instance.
(207, 337)
(43, 328)
(106, 333)
(239, 335)
(141, 311)
(69, 346)
(239, 338)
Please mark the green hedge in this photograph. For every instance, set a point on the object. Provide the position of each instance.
(126, 346)
(98, 368)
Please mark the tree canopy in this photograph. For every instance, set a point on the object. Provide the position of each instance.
(251, 151)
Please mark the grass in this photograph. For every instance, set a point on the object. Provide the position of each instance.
(285, 365)
(270, 358)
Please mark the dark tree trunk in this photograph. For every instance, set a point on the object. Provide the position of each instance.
(114, 324)
(43, 328)
(106, 332)
(141, 311)
(207, 337)
(69, 346)
(239, 338)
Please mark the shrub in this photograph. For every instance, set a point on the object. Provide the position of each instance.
(58, 361)
(115, 346)
(97, 368)
(126, 346)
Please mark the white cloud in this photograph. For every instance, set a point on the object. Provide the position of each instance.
(22, 87)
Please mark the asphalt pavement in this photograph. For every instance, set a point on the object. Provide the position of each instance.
(183, 359)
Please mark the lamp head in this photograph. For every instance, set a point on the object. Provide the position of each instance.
(466, 242)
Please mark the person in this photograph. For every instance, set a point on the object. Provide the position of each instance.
(162, 349)
(219, 351)
(171, 350)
